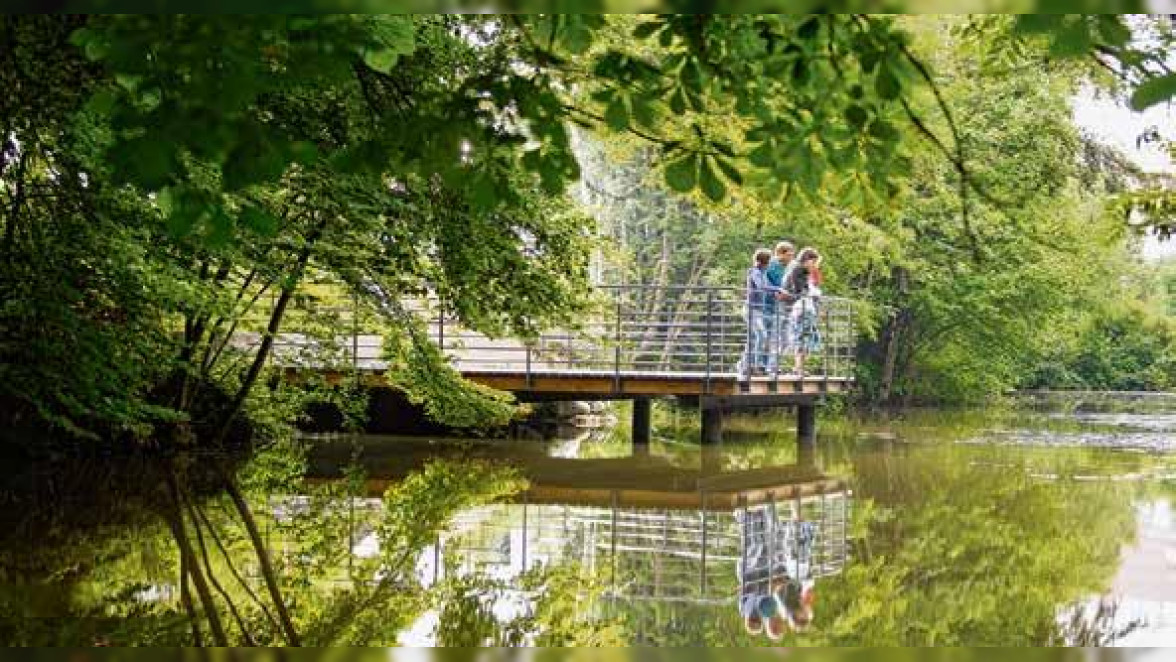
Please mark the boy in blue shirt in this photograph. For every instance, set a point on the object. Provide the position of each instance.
(777, 309)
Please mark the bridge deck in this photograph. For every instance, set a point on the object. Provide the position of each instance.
(606, 384)
(633, 481)
(685, 341)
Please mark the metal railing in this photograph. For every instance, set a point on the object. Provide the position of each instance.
(634, 330)
(665, 555)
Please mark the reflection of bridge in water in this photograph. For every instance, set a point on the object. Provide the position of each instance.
(649, 529)
(639, 343)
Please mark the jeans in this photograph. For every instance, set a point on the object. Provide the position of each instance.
(758, 345)
(773, 323)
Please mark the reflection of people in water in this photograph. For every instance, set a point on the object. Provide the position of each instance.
(796, 601)
(776, 589)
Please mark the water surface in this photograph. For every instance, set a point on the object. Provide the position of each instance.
(934, 529)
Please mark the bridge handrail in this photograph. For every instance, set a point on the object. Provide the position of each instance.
(699, 332)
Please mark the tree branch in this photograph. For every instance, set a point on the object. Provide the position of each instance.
(216, 539)
(212, 576)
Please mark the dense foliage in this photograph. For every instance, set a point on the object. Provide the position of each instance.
(177, 191)
(972, 284)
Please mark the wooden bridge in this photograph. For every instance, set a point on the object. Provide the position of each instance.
(640, 343)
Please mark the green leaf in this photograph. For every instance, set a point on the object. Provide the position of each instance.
(886, 84)
(256, 159)
(1114, 32)
(647, 29)
(167, 199)
(763, 156)
(643, 112)
(1037, 23)
(856, 116)
(393, 35)
(183, 209)
(483, 192)
(92, 44)
(883, 130)
(678, 101)
(1072, 40)
(809, 28)
(691, 76)
(682, 175)
(220, 228)
(712, 186)
(101, 103)
(617, 115)
(148, 161)
(382, 60)
(1153, 91)
(259, 220)
(870, 60)
(128, 82)
(800, 73)
(730, 171)
(576, 38)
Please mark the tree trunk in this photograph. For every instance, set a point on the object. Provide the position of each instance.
(175, 519)
(233, 569)
(275, 323)
(186, 600)
(896, 328)
(212, 577)
(889, 357)
(267, 568)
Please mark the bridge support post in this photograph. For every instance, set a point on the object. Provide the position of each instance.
(712, 424)
(806, 425)
(642, 418)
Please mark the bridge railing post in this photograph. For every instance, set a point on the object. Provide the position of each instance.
(851, 368)
(527, 375)
(355, 333)
(617, 340)
(710, 312)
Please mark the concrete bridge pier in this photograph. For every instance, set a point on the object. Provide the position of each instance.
(642, 421)
(806, 426)
(712, 423)
(714, 408)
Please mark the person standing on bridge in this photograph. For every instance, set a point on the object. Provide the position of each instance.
(759, 292)
(804, 283)
(779, 306)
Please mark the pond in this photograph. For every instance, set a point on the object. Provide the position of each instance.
(1014, 528)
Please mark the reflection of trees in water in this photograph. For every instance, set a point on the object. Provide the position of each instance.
(957, 549)
(109, 565)
(950, 546)
(1093, 625)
